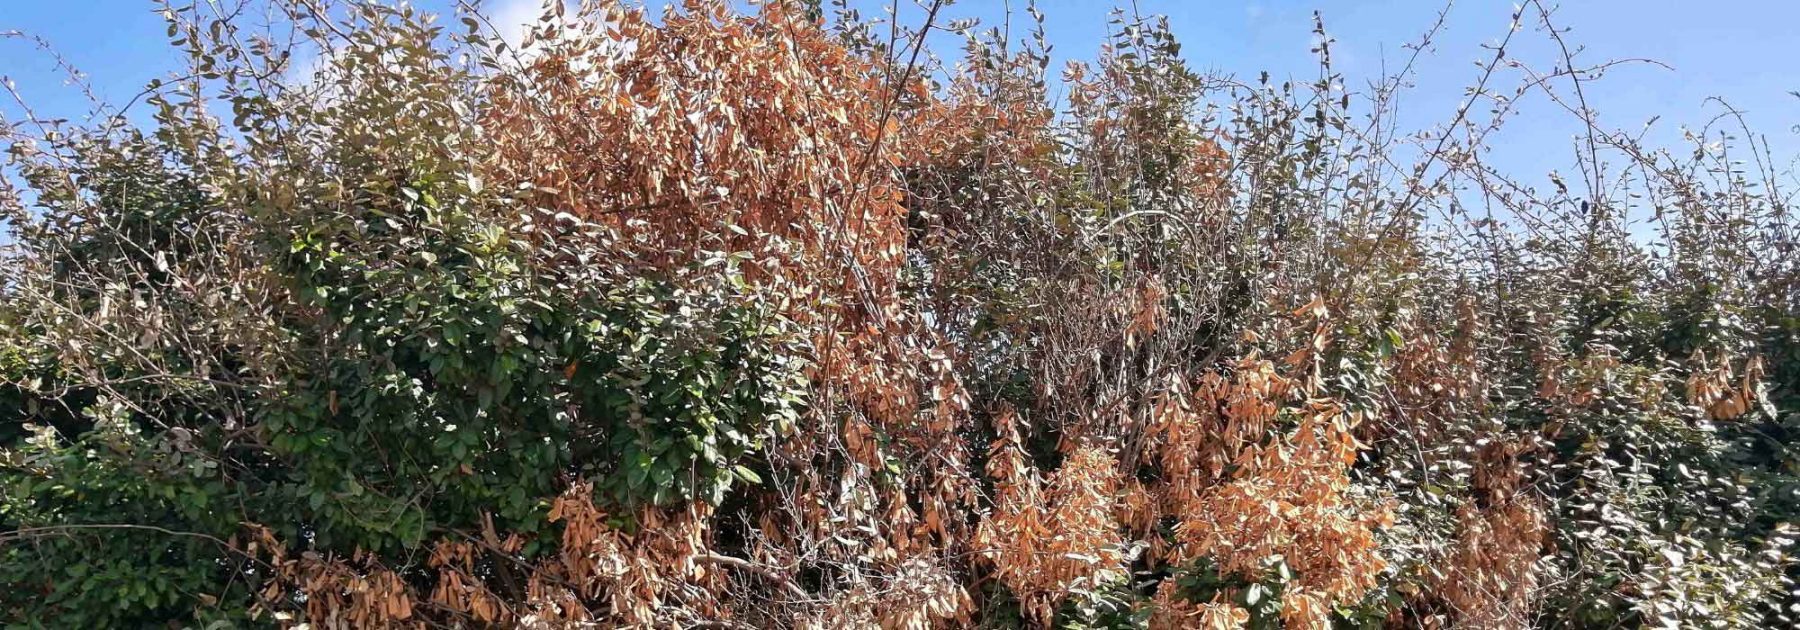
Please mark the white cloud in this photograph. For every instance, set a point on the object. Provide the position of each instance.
(513, 17)
(306, 64)
(509, 19)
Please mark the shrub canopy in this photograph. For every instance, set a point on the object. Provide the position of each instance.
(776, 320)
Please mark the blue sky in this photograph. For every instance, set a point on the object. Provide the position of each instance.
(1741, 50)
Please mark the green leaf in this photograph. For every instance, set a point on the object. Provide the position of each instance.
(749, 476)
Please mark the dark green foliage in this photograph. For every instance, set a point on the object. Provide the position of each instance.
(425, 382)
(357, 370)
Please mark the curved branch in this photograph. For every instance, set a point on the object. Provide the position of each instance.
(767, 572)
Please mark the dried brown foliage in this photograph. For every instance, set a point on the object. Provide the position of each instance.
(706, 131)
(1489, 577)
(1052, 537)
